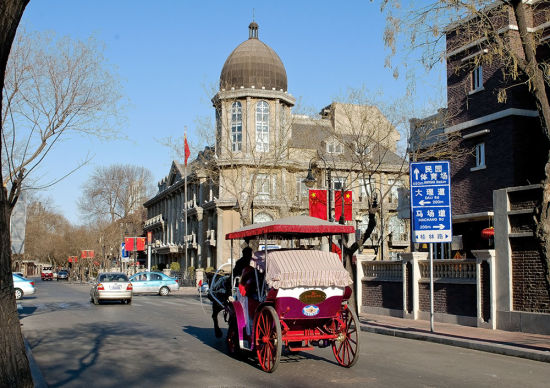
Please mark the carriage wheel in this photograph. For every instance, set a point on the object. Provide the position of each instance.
(346, 346)
(232, 340)
(267, 336)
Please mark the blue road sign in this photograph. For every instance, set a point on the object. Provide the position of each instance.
(124, 252)
(431, 201)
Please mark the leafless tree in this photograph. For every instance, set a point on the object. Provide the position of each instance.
(115, 193)
(483, 26)
(48, 91)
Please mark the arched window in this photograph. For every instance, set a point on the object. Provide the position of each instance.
(262, 217)
(398, 229)
(236, 127)
(262, 126)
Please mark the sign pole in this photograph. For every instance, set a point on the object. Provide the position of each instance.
(431, 210)
(431, 288)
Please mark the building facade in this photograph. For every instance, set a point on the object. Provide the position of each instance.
(263, 152)
(497, 175)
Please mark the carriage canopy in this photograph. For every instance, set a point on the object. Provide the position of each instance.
(291, 227)
(303, 268)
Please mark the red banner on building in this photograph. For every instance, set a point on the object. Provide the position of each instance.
(134, 244)
(347, 205)
(87, 254)
(318, 204)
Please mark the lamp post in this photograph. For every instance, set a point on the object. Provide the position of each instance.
(358, 220)
(381, 222)
(310, 182)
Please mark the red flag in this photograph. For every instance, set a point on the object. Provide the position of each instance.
(129, 244)
(347, 205)
(187, 151)
(318, 204)
(140, 244)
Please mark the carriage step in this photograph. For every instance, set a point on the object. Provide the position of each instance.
(297, 349)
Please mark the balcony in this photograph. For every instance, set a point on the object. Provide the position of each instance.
(399, 239)
(154, 222)
(191, 240)
(211, 237)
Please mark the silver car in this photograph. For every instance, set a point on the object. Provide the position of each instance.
(111, 286)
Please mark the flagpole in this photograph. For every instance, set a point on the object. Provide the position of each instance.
(185, 199)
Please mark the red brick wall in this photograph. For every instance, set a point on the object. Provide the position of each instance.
(455, 299)
(514, 156)
(529, 288)
(383, 294)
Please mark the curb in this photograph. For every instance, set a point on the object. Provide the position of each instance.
(507, 350)
(36, 373)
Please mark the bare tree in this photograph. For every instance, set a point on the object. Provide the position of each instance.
(47, 92)
(14, 365)
(484, 27)
(115, 193)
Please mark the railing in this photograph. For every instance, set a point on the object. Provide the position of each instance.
(453, 270)
(383, 270)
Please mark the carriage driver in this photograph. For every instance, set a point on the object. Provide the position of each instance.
(243, 262)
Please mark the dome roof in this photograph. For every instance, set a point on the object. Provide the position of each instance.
(253, 63)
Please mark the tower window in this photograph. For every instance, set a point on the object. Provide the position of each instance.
(262, 126)
(236, 127)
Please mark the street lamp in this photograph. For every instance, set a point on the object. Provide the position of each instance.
(310, 182)
(358, 220)
(381, 221)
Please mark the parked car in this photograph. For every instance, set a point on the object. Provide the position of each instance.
(154, 282)
(22, 286)
(62, 275)
(19, 274)
(111, 286)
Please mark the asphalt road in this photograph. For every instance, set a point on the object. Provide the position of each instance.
(169, 342)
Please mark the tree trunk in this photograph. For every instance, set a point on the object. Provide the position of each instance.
(14, 365)
(538, 87)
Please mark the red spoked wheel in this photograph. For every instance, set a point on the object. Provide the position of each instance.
(267, 337)
(346, 346)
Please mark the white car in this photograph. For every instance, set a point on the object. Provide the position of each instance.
(22, 286)
(111, 286)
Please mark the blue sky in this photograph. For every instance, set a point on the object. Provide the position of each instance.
(168, 55)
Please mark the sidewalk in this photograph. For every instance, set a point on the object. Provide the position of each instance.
(532, 346)
(510, 343)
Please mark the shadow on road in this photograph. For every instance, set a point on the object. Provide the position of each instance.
(207, 337)
(87, 343)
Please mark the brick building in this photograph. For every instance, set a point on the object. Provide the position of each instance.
(496, 178)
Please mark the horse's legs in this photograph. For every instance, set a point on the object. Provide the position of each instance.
(215, 311)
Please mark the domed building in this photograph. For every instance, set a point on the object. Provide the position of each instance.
(256, 169)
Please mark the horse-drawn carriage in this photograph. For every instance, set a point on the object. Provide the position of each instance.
(298, 298)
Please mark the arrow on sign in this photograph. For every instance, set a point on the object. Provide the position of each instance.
(416, 172)
(422, 202)
(440, 226)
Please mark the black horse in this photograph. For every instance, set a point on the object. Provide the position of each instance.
(219, 293)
